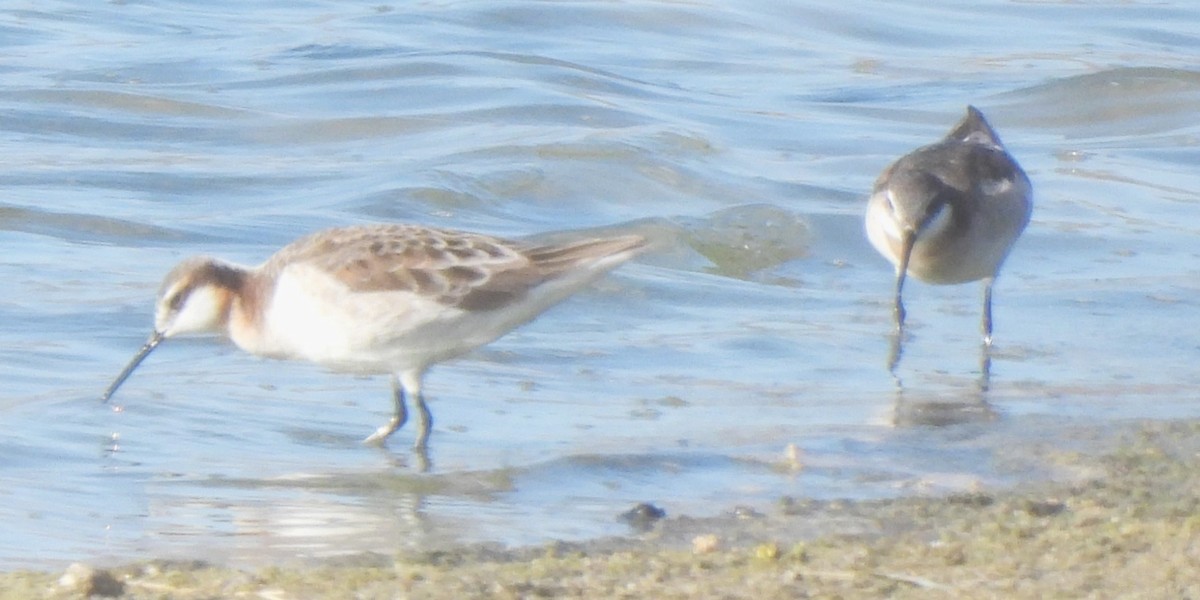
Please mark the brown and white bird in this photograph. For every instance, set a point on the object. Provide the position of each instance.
(377, 299)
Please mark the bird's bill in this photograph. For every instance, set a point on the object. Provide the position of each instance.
(907, 242)
(155, 339)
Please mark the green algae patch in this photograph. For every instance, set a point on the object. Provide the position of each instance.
(1134, 530)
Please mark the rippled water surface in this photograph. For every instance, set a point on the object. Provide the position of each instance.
(743, 137)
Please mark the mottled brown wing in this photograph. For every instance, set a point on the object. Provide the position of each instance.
(471, 271)
(441, 264)
(548, 262)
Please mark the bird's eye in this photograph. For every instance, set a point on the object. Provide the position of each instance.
(175, 302)
(891, 200)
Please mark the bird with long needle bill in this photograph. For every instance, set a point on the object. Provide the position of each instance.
(950, 213)
(378, 299)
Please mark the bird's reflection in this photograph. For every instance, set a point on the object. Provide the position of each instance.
(969, 404)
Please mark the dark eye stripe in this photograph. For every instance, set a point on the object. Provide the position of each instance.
(176, 302)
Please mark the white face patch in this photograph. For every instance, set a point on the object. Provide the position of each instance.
(199, 313)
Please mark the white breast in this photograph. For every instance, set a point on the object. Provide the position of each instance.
(313, 316)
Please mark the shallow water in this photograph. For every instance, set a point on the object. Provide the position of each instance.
(744, 139)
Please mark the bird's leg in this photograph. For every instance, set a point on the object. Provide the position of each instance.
(399, 416)
(412, 382)
(985, 351)
(422, 442)
(986, 325)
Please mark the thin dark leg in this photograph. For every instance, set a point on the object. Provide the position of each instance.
(399, 416)
(399, 408)
(421, 444)
(426, 419)
(987, 311)
(411, 383)
(985, 351)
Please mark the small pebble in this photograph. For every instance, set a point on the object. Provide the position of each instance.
(642, 516)
(1044, 508)
(706, 544)
(746, 512)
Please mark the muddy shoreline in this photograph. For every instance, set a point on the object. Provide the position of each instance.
(1133, 530)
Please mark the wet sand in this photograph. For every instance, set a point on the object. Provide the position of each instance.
(1132, 530)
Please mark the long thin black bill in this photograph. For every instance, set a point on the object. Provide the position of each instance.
(906, 250)
(151, 344)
